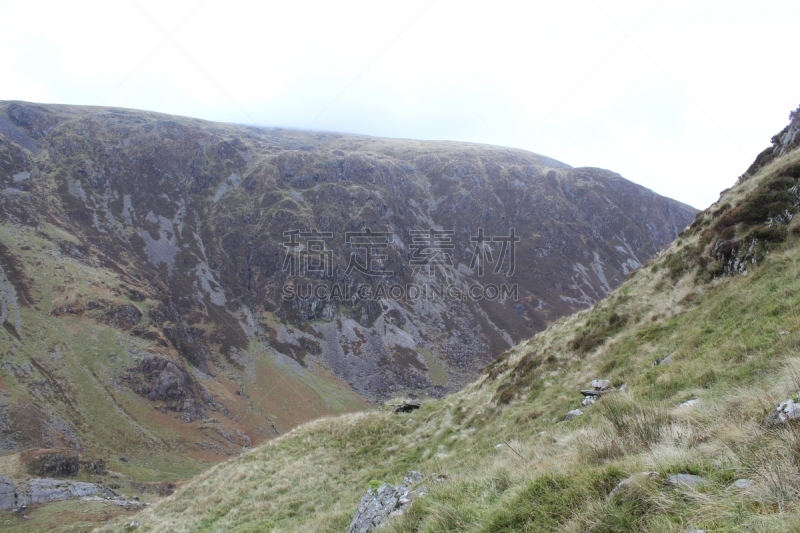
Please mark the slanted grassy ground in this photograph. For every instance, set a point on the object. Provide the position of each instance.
(498, 456)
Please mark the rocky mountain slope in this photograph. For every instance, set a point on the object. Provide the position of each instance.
(690, 425)
(168, 284)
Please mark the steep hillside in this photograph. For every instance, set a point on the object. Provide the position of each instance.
(699, 346)
(155, 274)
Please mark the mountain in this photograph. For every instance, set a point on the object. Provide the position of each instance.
(177, 290)
(691, 423)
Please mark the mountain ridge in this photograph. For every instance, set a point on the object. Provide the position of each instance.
(144, 262)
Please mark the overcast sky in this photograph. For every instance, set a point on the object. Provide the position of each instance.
(677, 95)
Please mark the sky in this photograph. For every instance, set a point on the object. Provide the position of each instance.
(679, 96)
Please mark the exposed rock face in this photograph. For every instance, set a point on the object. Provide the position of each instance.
(201, 212)
(379, 504)
(220, 248)
(45, 490)
(55, 464)
(6, 494)
(783, 142)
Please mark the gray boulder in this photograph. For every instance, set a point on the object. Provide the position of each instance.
(575, 413)
(377, 505)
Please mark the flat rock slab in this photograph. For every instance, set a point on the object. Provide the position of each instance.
(44, 490)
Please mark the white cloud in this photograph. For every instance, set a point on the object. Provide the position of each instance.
(677, 95)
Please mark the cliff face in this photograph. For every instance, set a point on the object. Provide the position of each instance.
(263, 275)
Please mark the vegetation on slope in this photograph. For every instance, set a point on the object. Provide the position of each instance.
(498, 456)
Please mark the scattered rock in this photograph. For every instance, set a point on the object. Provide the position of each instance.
(406, 407)
(689, 403)
(575, 413)
(742, 484)
(786, 411)
(600, 387)
(379, 504)
(783, 333)
(688, 480)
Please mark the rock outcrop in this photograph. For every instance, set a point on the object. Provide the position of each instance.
(600, 387)
(6, 493)
(45, 490)
(379, 504)
(786, 411)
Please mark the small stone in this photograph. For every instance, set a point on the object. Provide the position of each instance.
(689, 403)
(783, 333)
(588, 400)
(743, 484)
(575, 413)
(689, 480)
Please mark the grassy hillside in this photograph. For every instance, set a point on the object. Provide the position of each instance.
(498, 456)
